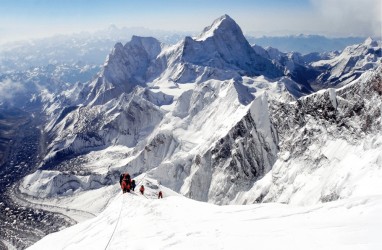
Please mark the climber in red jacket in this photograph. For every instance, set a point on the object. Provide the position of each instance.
(126, 183)
(142, 190)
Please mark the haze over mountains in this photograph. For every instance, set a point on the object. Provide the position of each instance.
(305, 43)
(210, 117)
(92, 48)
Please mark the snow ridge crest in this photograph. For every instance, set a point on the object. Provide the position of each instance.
(221, 25)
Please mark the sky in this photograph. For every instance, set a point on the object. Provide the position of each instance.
(23, 19)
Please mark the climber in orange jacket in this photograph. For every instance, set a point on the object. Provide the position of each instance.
(142, 190)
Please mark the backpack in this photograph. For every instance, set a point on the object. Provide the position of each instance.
(120, 179)
(126, 176)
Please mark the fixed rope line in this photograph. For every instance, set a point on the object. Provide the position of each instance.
(120, 212)
(116, 224)
(144, 176)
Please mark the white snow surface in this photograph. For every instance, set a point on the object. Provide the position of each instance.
(133, 221)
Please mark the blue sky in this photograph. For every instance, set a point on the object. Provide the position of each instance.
(36, 18)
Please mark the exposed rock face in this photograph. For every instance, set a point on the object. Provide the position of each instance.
(348, 113)
(324, 140)
(235, 162)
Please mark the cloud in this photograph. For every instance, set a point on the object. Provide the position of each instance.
(10, 89)
(337, 18)
(349, 17)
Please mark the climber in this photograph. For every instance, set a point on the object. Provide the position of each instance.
(160, 195)
(120, 179)
(126, 183)
(133, 185)
(142, 190)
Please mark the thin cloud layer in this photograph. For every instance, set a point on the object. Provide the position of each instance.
(349, 17)
(9, 89)
(337, 18)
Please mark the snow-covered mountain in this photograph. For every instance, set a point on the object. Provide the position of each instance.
(223, 45)
(169, 75)
(329, 146)
(350, 64)
(209, 129)
(215, 120)
(294, 65)
(219, 52)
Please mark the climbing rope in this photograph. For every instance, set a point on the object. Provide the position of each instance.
(116, 225)
(120, 212)
(144, 176)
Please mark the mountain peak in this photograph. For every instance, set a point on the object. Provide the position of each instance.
(370, 42)
(222, 24)
(118, 48)
(223, 45)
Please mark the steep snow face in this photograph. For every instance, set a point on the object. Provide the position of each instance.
(179, 223)
(126, 67)
(235, 161)
(223, 45)
(330, 146)
(350, 64)
(129, 64)
(122, 121)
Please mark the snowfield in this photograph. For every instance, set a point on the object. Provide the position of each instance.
(133, 221)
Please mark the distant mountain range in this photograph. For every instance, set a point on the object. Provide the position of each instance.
(305, 43)
(92, 48)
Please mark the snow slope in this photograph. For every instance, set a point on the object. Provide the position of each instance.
(350, 64)
(135, 222)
